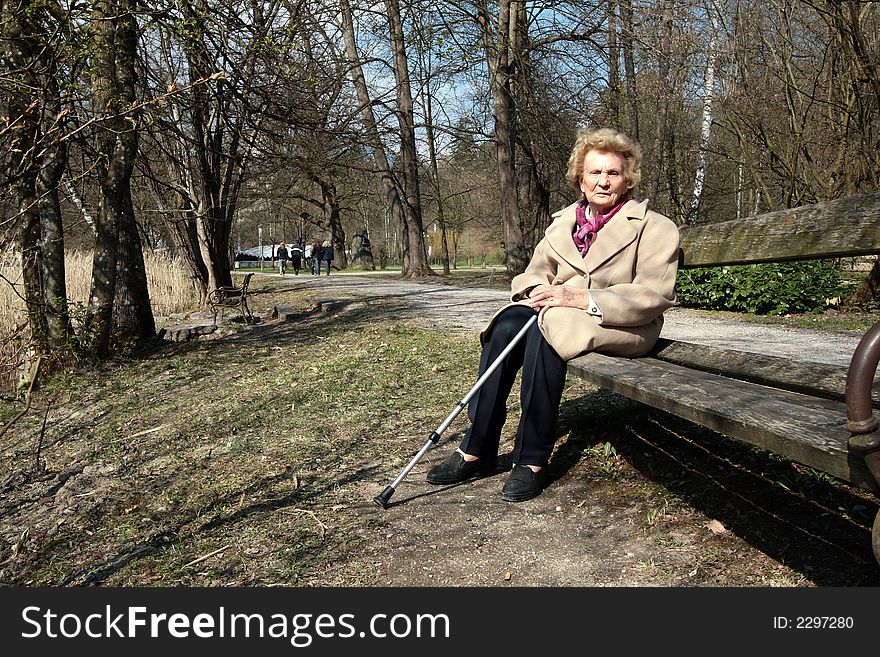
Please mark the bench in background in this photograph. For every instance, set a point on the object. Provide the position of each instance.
(231, 297)
(818, 415)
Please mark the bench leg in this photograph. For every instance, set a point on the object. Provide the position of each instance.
(875, 537)
(872, 460)
(865, 445)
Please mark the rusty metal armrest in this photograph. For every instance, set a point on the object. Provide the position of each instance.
(225, 296)
(861, 422)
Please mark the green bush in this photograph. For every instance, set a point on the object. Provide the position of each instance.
(765, 289)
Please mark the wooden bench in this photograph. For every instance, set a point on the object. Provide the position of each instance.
(231, 297)
(818, 415)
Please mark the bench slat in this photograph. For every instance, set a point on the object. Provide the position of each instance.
(819, 379)
(804, 429)
(843, 227)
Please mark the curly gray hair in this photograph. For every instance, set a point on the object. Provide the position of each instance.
(609, 141)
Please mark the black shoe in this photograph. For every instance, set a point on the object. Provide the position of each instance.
(454, 469)
(523, 484)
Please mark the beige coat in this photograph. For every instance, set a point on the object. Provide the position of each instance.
(629, 270)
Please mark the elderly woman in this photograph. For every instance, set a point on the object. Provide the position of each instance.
(599, 280)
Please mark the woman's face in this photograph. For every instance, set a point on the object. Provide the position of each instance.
(603, 182)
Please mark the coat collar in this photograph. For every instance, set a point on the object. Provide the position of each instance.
(616, 235)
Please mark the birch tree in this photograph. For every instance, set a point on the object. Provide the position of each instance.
(706, 123)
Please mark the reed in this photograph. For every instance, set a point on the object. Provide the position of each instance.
(168, 284)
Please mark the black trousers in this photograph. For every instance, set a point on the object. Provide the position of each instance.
(543, 379)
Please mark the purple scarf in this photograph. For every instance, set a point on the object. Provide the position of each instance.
(585, 229)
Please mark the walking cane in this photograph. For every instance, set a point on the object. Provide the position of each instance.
(382, 498)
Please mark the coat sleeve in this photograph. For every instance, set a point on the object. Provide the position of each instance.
(541, 270)
(652, 289)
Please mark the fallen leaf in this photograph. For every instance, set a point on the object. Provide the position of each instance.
(716, 527)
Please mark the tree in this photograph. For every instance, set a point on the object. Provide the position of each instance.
(318, 143)
(425, 41)
(225, 65)
(627, 40)
(415, 257)
(119, 298)
(706, 124)
(500, 44)
(34, 161)
(664, 92)
(403, 201)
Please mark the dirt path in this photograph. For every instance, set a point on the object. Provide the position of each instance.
(637, 498)
(469, 309)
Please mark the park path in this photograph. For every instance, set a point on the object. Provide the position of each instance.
(469, 309)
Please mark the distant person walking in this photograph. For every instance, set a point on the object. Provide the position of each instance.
(316, 258)
(296, 258)
(326, 255)
(282, 258)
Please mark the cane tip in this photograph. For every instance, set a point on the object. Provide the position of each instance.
(382, 498)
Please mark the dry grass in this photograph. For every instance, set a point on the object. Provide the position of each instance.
(222, 445)
(167, 280)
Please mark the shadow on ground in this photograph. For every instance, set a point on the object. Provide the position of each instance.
(806, 520)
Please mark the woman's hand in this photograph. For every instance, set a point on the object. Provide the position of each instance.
(548, 296)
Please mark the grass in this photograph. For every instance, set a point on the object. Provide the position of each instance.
(251, 446)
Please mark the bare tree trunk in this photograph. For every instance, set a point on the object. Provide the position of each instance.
(22, 145)
(390, 189)
(664, 91)
(210, 130)
(416, 260)
(212, 156)
(183, 233)
(132, 314)
(333, 214)
(54, 279)
(500, 60)
(706, 128)
(868, 289)
(435, 175)
(626, 44)
(613, 66)
(534, 181)
(118, 297)
(133, 319)
(110, 168)
(32, 256)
